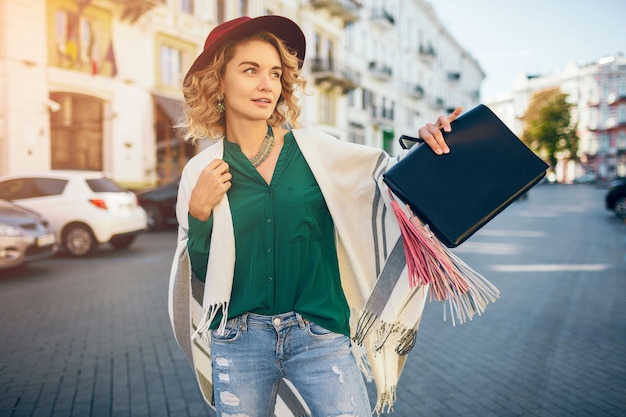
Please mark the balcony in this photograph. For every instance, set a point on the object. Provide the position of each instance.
(454, 76)
(132, 10)
(328, 72)
(381, 116)
(346, 10)
(415, 91)
(380, 71)
(427, 53)
(383, 18)
(436, 103)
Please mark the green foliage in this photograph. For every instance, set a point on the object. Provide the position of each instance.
(548, 129)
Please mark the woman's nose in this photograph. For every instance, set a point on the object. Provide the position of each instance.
(265, 83)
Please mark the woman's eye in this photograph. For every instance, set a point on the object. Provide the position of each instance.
(277, 75)
(250, 71)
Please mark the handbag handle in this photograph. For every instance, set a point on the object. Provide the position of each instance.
(406, 142)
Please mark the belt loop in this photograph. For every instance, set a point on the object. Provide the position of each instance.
(243, 322)
(301, 321)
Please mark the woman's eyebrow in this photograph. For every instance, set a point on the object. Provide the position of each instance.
(254, 64)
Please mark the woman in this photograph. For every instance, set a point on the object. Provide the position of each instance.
(283, 234)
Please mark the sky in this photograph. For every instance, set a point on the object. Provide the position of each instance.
(511, 37)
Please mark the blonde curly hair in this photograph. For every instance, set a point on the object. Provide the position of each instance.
(202, 91)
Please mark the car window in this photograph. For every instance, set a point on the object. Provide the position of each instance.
(47, 186)
(104, 185)
(12, 189)
(18, 188)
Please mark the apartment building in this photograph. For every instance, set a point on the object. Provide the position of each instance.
(95, 84)
(597, 92)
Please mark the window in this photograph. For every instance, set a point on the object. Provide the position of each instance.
(186, 6)
(104, 185)
(221, 11)
(621, 112)
(621, 141)
(79, 38)
(170, 66)
(243, 7)
(20, 188)
(356, 133)
(76, 132)
(327, 108)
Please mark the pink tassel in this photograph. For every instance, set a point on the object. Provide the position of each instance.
(426, 261)
(430, 263)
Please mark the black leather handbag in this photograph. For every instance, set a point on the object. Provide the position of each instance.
(456, 194)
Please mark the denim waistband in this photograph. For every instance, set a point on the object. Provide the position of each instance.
(277, 321)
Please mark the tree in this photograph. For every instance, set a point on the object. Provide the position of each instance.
(548, 129)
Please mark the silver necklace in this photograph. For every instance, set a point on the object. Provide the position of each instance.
(266, 148)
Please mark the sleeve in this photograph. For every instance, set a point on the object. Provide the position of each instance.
(198, 244)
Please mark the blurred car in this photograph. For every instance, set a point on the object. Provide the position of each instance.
(615, 198)
(160, 205)
(85, 208)
(587, 178)
(24, 236)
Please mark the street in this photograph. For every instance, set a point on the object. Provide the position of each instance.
(91, 337)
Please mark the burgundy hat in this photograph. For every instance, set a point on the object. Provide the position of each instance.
(285, 29)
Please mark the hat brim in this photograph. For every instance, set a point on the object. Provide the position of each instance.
(285, 29)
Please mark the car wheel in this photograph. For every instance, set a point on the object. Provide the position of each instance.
(154, 217)
(620, 207)
(122, 242)
(78, 240)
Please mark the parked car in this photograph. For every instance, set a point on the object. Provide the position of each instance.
(160, 204)
(85, 208)
(588, 178)
(615, 198)
(24, 236)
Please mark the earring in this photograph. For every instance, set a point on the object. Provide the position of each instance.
(220, 104)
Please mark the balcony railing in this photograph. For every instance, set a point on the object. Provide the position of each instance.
(346, 10)
(427, 53)
(381, 115)
(132, 10)
(436, 103)
(327, 71)
(454, 76)
(416, 91)
(383, 17)
(380, 71)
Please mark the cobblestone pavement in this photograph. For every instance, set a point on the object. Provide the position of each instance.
(91, 337)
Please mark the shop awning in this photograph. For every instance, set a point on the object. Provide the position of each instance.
(172, 108)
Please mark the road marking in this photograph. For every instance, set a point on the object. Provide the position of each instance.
(512, 233)
(551, 268)
(487, 248)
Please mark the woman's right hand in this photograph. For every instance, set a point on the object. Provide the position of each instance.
(212, 184)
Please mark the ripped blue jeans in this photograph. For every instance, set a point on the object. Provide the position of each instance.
(257, 351)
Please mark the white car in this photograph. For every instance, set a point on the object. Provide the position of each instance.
(84, 208)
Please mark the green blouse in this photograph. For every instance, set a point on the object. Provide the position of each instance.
(286, 258)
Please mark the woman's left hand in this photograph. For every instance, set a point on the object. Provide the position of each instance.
(431, 133)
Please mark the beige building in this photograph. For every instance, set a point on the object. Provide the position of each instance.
(95, 84)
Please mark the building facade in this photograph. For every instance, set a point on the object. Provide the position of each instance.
(95, 84)
(597, 92)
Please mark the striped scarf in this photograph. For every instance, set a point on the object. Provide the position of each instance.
(386, 305)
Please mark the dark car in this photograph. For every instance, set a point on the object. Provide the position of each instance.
(160, 205)
(24, 236)
(616, 197)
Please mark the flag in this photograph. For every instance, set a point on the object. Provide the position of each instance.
(110, 57)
